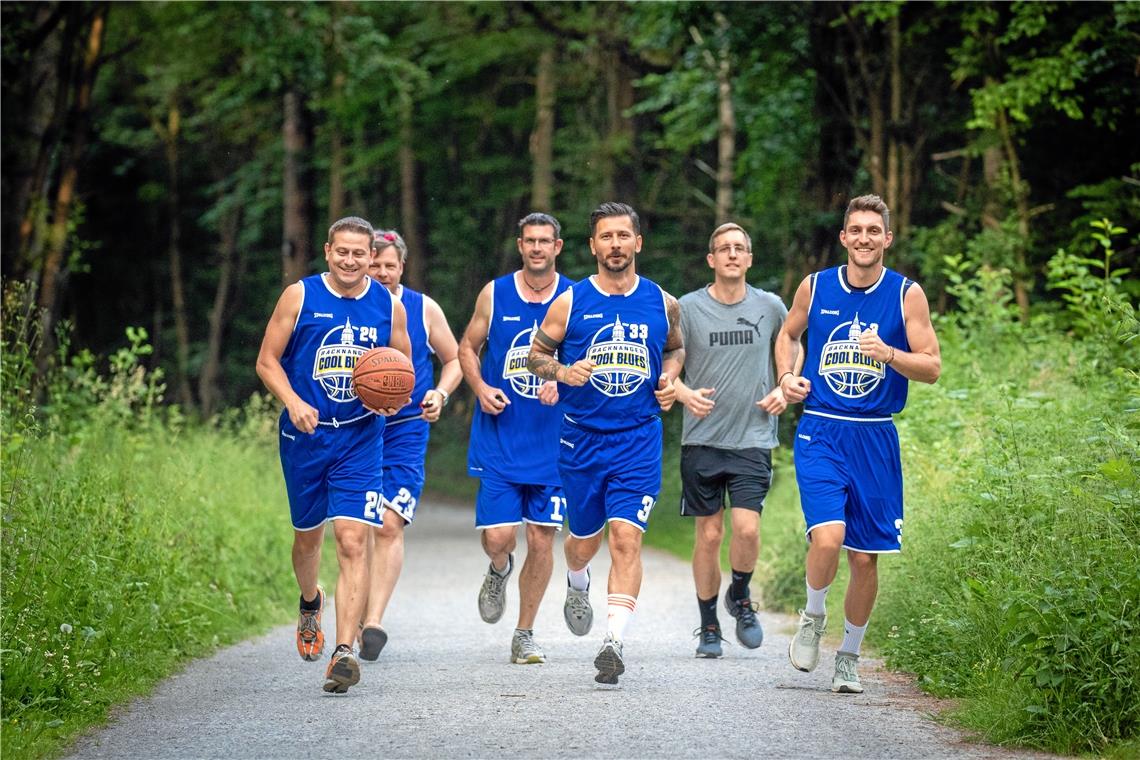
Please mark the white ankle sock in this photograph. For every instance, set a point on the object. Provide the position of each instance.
(619, 609)
(579, 579)
(816, 600)
(852, 636)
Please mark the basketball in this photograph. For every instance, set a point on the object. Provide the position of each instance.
(384, 378)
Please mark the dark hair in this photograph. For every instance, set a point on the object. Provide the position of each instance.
(610, 208)
(350, 224)
(869, 203)
(382, 239)
(537, 218)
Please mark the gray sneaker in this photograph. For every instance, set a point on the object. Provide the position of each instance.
(524, 650)
(709, 645)
(577, 611)
(493, 594)
(609, 662)
(748, 630)
(803, 650)
(846, 680)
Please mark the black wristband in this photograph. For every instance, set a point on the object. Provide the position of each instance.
(780, 379)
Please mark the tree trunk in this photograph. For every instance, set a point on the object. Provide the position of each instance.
(1022, 279)
(726, 137)
(542, 138)
(416, 267)
(69, 177)
(211, 367)
(170, 135)
(296, 191)
(336, 155)
(894, 162)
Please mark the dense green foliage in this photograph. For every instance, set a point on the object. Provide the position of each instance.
(127, 547)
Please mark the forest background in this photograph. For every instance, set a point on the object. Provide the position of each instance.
(168, 167)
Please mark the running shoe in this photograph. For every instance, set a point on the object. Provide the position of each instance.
(372, 641)
(524, 649)
(577, 611)
(343, 671)
(609, 662)
(710, 639)
(803, 650)
(493, 594)
(310, 637)
(748, 630)
(846, 680)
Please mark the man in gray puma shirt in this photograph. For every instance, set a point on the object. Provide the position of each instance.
(731, 405)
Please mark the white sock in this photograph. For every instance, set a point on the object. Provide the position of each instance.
(852, 636)
(579, 579)
(816, 601)
(506, 570)
(619, 609)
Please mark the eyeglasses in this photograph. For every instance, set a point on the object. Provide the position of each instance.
(739, 250)
(541, 242)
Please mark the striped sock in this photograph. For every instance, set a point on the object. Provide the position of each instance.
(619, 609)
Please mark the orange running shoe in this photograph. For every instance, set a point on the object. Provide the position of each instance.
(310, 637)
(343, 671)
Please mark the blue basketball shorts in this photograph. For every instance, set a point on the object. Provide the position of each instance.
(335, 473)
(850, 473)
(500, 503)
(609, 475)
(405, 446)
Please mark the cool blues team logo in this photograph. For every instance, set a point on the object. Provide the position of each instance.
(621, 365)
(848, 372)
(522, 380)
(336, 358)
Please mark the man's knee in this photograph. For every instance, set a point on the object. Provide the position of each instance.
(308, 542)
(862, 563)
(710, 531)
(539, 539)
(351, 540)
(625, 542)
(499, 540)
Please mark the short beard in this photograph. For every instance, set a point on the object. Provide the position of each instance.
(616, 269)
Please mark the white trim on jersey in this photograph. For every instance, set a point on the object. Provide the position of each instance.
(301, 310)
(591, 535)
(329, 288)
(811, 290)
(807, 533)
(841, 273)
(629, 522)
(373, 523)
(902, 300)
(498, 525)
(871, 551)
(847, 419)
(636, 282)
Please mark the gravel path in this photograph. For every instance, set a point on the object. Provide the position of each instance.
(444, 687)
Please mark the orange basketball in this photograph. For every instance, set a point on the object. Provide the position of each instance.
(384, 378)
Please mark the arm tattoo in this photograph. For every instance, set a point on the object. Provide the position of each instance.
(542, 365)
(546, 340)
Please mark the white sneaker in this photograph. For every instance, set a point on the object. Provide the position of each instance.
(524, 649)
(846, 680)
(577, 612)
(609, 661)
(803, 650)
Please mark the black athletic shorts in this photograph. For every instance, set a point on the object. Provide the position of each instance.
(707, 472)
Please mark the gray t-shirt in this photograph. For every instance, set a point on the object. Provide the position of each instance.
(729, 347)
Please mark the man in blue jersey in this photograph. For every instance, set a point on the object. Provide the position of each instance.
(514, 446)
(406, 432)
(729, 431)
(330, 443)
(869, 334)
(614, 342)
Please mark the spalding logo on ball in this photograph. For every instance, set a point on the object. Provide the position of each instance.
(384, 378)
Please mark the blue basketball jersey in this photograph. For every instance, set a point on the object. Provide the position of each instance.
(843, 381)
(520, 444)
(421, 353)
(624, 335)
(331, 333)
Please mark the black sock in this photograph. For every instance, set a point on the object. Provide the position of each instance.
(739, 590)
(312, 606)
(708, 612)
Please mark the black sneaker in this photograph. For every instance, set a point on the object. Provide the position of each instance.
(748, 630)
(709, 645)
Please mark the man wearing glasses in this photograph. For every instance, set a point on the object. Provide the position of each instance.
(513, 448)
(729, 429)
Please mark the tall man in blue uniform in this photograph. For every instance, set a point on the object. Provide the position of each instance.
(406, 432)
(330, 443)
(869, 333)
(513, 448)
(615, 344)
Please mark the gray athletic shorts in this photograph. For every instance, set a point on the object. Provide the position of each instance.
(707, 473)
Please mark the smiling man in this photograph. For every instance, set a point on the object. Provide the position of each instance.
(869, 333)
(331, 445)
